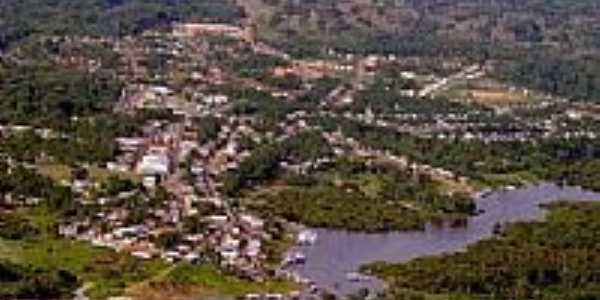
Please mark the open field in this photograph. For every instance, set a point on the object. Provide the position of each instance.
(213, 281)
(112, 274)
(60, 172)
(489, 92)
(107, 271)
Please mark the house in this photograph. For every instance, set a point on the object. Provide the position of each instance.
(130, 144)
(192, 258)
(157, 164)
(253, 248)
(150, 181)
(252, 221)
(142, 254)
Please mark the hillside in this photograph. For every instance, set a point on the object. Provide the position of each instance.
(551, 45)
(390, 25)
(25, 18)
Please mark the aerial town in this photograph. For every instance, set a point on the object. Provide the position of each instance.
(209, 159)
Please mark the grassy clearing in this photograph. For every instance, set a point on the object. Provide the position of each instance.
(57, 172)
(163, 291)
(500, 180)
(108, 272)
(214, 281)
(101, 174)
(60, 172)
(5, 250)
(491, 93)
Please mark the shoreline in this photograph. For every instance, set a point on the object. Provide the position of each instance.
(337, 253)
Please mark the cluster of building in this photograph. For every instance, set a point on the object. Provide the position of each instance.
(234, 241)
(167, 155)
(195, 222)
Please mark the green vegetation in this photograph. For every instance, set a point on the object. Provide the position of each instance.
(569, 161)
(364, 197)
(23, 19)
(489, 92)
(60, 172)
(411, 27)
(24, 282)
(41, 249)
(329, 207)
(48, 95)
(263, 164)
(385, 97)
(23, 184)
(555, 259)
(208, 129)
(45, 95)
(15, 228)
(320, 89)
(109, 272)
(28, 243)
(253, 65)
(574, 76)
(88, 140)
(212, 280)
(267, 109)
(548, 45)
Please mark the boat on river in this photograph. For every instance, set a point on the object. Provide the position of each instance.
(339, 253)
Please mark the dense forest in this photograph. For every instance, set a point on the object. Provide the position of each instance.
(38, 93)
(408, 26)
(20, 280)
(108, 18)
(22, 184)
(552, 260)
(263, 163)
(356, 195)
(572, 76)
(43, 93)
(25, 282)
(89, 140)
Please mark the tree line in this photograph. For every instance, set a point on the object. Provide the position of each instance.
(551, 260)
(104, 18)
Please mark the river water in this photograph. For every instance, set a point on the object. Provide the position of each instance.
(336, 253)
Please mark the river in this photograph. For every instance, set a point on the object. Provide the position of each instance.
(336, 253)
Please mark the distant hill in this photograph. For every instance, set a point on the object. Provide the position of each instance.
(21, 19)
(416, 25)
(436, 27)
(552, 45)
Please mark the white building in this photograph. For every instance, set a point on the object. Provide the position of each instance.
(154, 164)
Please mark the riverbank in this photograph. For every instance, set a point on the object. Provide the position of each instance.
(336, 253)
(554, 259)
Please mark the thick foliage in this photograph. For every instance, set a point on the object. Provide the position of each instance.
(24, 18)
(23, 282)
(556, 259)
